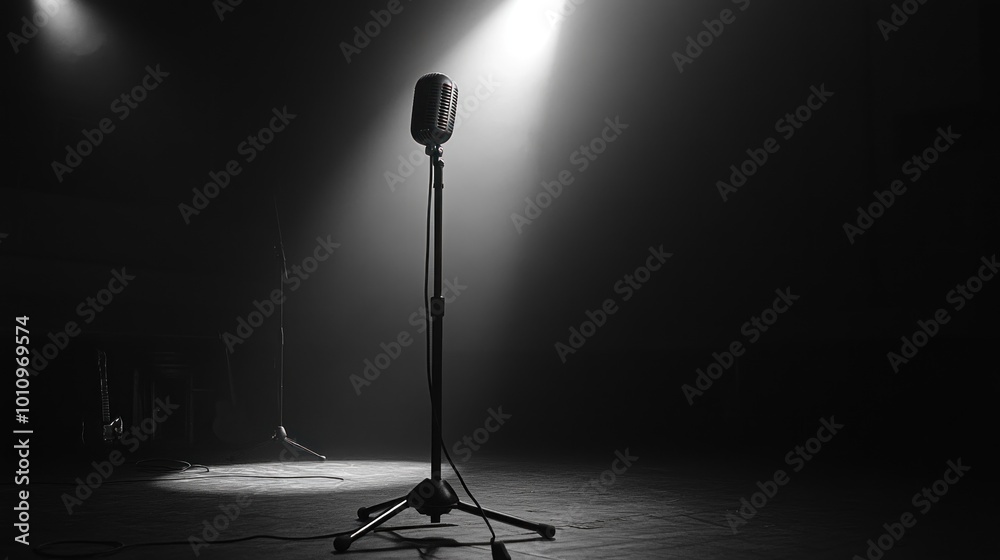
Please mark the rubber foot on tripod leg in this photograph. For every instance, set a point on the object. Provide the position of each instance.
(363, 514)
(342, 543)
(547, 531)
(499, 550)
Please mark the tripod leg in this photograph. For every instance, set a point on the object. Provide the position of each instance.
(547, 531)
(344, 542)
(365, 513)
(290, 442)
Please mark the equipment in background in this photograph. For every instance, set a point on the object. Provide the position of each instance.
(101, 431)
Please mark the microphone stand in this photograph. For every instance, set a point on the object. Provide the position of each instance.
(280, 434)
(434, 497)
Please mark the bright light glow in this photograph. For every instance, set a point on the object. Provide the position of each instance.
(294, 478)
(514, 36)
(67, 27)
(492, 155)
(502, 67)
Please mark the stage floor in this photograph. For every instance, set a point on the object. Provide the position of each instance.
(648, 509)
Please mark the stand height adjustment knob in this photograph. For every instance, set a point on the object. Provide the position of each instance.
(437, 306)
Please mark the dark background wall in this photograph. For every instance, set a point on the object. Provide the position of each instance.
(655, 185)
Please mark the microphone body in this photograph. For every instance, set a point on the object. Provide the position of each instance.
(435, 105)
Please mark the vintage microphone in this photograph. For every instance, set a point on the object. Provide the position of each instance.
(435, 104)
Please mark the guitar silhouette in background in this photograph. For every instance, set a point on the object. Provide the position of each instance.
(101, 432)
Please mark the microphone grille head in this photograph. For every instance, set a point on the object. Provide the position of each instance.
(435, 106)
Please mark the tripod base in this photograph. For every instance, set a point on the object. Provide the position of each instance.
(434, 498)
